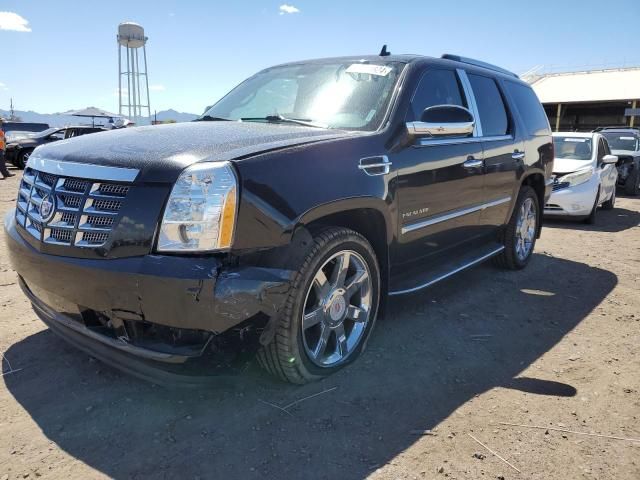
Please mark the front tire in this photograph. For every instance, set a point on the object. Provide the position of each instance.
(521, 232)
(23, 158)
(329, 312)
(611, 203)
(591, 219)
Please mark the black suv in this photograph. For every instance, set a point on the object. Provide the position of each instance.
(625, 144)
(19, 149)
(280, 220)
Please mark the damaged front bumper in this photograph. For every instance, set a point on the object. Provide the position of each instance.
(164, 310)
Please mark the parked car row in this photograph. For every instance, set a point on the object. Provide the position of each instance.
(588, 167)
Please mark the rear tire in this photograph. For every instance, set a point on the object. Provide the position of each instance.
(632, 185)
(611, 203)
(521, 232)
(324, 327)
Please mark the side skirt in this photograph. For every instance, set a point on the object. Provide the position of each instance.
(426, 279)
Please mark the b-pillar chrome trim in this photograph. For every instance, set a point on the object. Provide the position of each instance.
(471, 100)
(450, 216)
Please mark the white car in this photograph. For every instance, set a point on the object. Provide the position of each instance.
(584, 176)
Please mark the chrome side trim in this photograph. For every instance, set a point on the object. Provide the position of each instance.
(82, 170)
(450, 216)
(471, 99)
(449, 274)
(425, 142)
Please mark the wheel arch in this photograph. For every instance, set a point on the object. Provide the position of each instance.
(367, 216)
(536, 181)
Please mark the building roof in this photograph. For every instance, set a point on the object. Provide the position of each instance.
(590, 86)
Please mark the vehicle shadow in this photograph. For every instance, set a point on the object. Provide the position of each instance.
(429, 355)
(616, 220)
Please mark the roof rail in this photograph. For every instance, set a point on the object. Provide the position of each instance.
(478, 63)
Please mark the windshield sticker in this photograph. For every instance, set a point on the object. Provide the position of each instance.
(578, 140)
(379, 70)
(627, 138)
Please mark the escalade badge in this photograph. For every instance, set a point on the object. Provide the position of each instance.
(47, 208)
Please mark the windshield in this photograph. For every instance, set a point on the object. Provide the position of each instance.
(333, 95)
(15, 135)
(574, 148)
(46, 132)
(622, 141)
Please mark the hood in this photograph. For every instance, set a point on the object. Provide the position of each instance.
(568, 165)
(161, 152)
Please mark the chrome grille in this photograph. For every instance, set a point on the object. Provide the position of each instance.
(85, 210)
(112, 189)
(108, 205)
(74, 185)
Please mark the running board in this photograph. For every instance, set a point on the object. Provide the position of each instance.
(404, 287)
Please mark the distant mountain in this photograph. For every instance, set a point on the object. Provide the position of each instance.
(174, 115)
(61, 119)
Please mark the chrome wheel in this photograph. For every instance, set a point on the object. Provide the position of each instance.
(526, 229)
(337, 309)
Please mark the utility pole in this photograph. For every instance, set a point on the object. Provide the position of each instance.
(12, 115)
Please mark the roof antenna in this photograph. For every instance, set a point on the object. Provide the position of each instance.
(384, 52)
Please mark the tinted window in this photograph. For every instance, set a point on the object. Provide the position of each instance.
(437, 87)
(493, 115)
(530, 109)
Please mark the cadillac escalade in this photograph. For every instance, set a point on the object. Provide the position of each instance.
(278, 222)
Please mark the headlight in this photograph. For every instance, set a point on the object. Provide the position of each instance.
(201, 211)
(577, 178)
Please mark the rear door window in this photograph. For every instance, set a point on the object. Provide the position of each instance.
(493, 114)
(436, 87)
(531, 111)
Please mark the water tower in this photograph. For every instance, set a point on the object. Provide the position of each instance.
(133, 81)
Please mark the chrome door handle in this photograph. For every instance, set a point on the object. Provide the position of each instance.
(373, 166)
(517, 155)
(473, 163)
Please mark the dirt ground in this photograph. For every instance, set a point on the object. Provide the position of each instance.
(554, 346)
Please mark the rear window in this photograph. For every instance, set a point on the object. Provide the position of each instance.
(527, 103)
(493, 115)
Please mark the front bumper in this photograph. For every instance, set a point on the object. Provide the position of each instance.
(160, 309)
(573, 201)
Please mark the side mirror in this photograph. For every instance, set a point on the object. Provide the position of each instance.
(609, 159)
(443, 121)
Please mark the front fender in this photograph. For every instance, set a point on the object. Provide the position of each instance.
(344, 206)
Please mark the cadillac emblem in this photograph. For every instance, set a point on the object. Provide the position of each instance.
(47, 208)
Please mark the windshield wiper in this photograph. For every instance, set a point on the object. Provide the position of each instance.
(281, 119)
(209, 118)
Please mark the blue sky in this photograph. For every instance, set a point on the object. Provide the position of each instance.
(65, 56)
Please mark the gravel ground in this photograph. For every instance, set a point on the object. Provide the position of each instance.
(554, 346)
